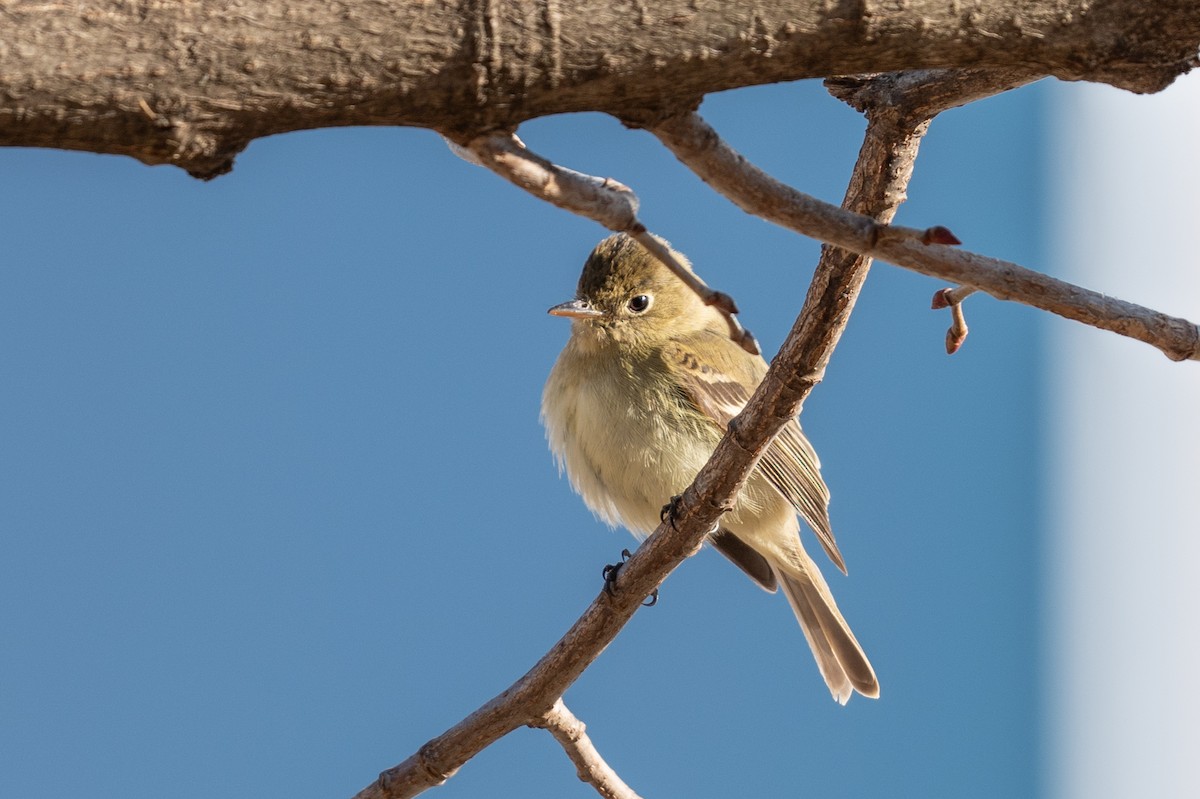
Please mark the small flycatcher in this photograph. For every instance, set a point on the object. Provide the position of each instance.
(634, 407)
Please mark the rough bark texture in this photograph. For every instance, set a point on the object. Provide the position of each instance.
(192, 83)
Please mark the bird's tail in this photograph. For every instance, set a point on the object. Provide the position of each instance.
(842, 661)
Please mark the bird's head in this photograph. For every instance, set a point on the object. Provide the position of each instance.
(627, 297)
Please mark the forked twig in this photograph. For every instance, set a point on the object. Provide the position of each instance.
(571, 733)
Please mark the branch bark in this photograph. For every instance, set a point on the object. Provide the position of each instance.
(191, 84)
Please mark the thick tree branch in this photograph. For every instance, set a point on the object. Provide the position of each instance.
(878, 185)
(700, 148)
(191, 84)
(571, 733)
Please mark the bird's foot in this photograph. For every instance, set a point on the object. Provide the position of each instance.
(668, 510)
(610, 573)
(610, 579)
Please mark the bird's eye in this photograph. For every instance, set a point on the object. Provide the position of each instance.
(639, 303)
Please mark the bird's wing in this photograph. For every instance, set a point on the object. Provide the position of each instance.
(719, 388)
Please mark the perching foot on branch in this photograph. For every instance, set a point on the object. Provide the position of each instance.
(668, 510)
(610, 580)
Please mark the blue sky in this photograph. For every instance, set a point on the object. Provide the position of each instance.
(276, 506)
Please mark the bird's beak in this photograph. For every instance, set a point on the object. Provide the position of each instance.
(575, 309)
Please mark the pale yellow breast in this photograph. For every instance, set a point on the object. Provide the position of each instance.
(615, 443)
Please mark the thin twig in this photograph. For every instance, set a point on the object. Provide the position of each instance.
(880, 178)
(953, 299)
(604, 200)
(718, 299)
(953, 296)
(571, 733)
(701, 149)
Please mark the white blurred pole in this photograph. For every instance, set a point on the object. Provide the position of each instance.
(1121, 689)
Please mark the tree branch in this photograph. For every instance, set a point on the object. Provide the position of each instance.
(571, 733)
(191, 84)
(702, 150)
(880, 178)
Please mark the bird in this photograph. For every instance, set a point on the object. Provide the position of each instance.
(637, 401)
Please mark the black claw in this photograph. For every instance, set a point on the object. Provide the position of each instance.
(610, 579)
(610, 572)
(668, 510)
